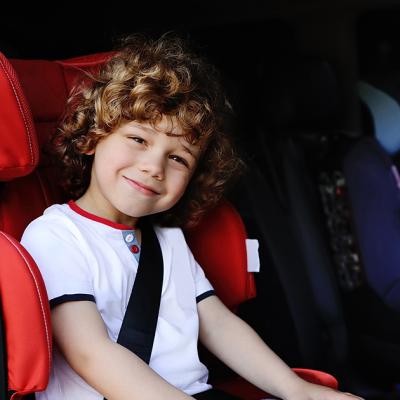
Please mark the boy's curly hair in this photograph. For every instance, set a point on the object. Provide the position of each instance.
(144, 81)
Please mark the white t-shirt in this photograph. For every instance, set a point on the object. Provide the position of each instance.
(83, 257)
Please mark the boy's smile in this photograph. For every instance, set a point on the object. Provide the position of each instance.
(139, 170)
(142, 188)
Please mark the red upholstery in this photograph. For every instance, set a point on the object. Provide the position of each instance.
(26, 317)
(24, 303)
(218, 244)
(47, 85)
(24, 198)
(19, 151)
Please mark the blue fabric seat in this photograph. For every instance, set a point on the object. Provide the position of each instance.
(374, 191)
(373, 187)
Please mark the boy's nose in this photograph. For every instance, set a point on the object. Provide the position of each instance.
(153, 167)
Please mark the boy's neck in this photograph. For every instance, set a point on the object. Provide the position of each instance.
(91, 206)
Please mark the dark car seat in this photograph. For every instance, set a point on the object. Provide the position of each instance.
(29, 186)
(280, 203)
(373, 184)
(296, 151)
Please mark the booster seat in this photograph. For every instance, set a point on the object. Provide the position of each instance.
(29, 186)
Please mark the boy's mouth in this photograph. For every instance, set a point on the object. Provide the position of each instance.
(148, 190)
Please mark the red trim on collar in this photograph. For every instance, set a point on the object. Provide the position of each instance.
(96, 218)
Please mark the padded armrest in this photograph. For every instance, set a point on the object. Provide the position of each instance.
(319, 377)
(26, 316)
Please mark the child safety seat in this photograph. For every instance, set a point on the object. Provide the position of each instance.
(25, 330)
(373, 183)
(28, 186)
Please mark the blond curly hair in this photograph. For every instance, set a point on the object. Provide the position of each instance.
(143, 81)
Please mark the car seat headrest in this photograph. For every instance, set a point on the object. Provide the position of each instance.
(47, 85)
(384, 111)
(19, 153)
(301, 93)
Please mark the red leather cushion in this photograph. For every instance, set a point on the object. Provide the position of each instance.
(74, 68)
(46, 91)
(319, 377)
(87, 61)
(218, 244)
(26, 317)
(23, 200)
(19, 152)
(47, 85)
(44, 87)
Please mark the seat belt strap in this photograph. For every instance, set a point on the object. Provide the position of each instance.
(140, 321)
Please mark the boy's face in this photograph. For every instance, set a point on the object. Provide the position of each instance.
(138, 170)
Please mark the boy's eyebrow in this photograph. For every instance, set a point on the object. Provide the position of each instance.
(151, 130)
(146, 128)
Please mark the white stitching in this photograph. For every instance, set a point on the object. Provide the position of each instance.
(39, 295)
(21, 110)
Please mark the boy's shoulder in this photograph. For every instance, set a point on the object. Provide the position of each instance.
(172, 235)
(54, 218)
(173, 238)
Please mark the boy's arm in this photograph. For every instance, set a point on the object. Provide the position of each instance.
(240, 348)
(111, 369)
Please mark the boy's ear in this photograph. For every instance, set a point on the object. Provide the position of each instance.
(92, 143)
(89, 152)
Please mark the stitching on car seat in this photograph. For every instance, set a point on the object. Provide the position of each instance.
(21, 108)
(38, 291)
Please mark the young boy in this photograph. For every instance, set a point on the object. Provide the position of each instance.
(144, 143)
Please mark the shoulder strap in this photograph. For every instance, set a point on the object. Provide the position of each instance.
(140, 320)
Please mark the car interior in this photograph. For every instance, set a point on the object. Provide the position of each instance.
(315, 90)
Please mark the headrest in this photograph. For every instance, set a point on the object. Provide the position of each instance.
(47, 85)
(218, 243)
(19, 153)
(384, 111)
(301, 93)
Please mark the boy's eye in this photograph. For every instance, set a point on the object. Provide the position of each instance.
(179, 160)
(137, 139)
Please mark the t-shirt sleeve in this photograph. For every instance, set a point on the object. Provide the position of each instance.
(61, 260)
(203, 286)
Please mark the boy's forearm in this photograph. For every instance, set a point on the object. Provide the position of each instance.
(111, 369)
(239, 347)
(120, 375)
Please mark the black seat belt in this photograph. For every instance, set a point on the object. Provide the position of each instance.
(140, 321)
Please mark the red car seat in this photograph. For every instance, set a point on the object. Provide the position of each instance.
(25, 329)
(28, 187)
